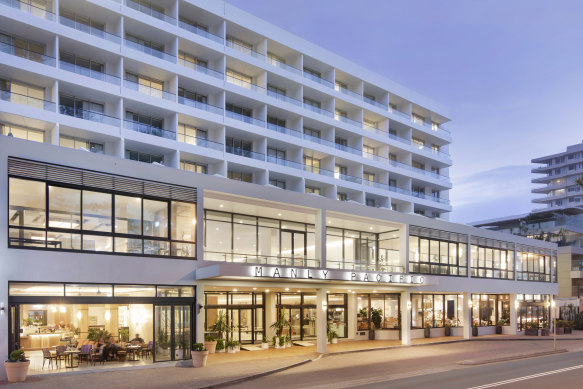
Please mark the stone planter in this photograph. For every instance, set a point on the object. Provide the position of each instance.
(474, 331)
(334, 340)
(16, 371)
(211, 346)
(560, 331)
(499, 330)
(427, 332)
(568, 330)
(265, 346)
(447, 331)
(221, 350)
(199, 358)
(231, 350)
(531, 331)
(545, 332)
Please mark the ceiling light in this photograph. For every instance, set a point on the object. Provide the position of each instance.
(299, 291)
(221, 206)
(374, 291)
(266, 290)
(279, 214)
(254, 288)
(286, 289)
(350, 290)
(234, 290)
(370, 228)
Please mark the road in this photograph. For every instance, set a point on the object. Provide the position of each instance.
(375, 370)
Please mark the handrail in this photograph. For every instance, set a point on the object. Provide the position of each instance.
(199, 105)
(296, 261)
(283, 130)
(318, 110)
(201, 32)
(375, 103)
(245, 153)
(243, 49)
(150, 11)
(65, 21)
(202, 69)
(148, 129)
(279, 96)
(87, 72)
(318, 170)
(279, 64)
(319, 80)
(244, 84)
(89, 115)
(27, 54)
(148, 90)
(197, 141)
(283, 162)
(148, 50)
(29, 8)
(244, 118)
(33, 102)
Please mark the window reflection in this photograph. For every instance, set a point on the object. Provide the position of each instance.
(64, 208)
(96, 211)
(27, 203)
(128, 215)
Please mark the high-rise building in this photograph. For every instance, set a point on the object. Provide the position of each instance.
(165, 162)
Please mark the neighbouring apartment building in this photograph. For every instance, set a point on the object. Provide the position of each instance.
(168, 161)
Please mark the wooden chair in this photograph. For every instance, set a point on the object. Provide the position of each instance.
(60, 355)
(97, 356)
(84, 352)
(50, 356)
(147, 351)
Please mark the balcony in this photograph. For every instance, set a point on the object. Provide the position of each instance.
(201, 142)
(374, 184)
(372, 129)
(243, 49)
(431, 198)
(399, 113)
(150, 51)
(399, 139)
(27, 54)
(244, 84)
(147, 90)
(89, 115)
(319, 80)
(348, 149)
(281, 65)
(148, 129)
(321, 111)
(284, 162)
(347, 91)
(318, 140)
(150, 11)
(245, 153)
(296, 261)
(318, 170)
(344, 119)
(346, 177)
(89, 30)
(283, 130)
(200, 69)
(351, 265)
(28, 101)
(375, 103)
(243, 118)
(279, 96)
(87, 72)
(201, 32)
(199, 105)
(373, 157)
(29, 8)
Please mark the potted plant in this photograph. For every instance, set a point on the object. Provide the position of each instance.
(334, 337)
(281, 342)
(280, 324)
(210, 343)
(199, 355)
(16, 366)
(448, 329)
(221, 326)
(376, 316)
(499, 325)
(179, 348)
(427, 330)
(568, 329)
(531, 329)
(230, 346)
(237, 346)
(220, 346)
(265, 343)
(475, 328)
(288, 342)
(545, 331)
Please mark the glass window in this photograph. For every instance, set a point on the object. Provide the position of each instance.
(128, 245)
(155, 218)
(134, 291)
(35, 289)
(97, 243)
(96, 211)
(63, 240)
(103, 290)
(128, 215)
(416, 311)
(175, 291)
(183, 226)
(27, 203)
(64, 208)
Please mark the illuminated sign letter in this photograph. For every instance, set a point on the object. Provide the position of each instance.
(325, 272)
(293, 273)
(353, 275)
(401, 278)
(309, 275)
(365, 278)
(379, 278)
(276, 273)
(258, 271)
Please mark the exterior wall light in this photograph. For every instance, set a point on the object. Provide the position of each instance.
(408, 305)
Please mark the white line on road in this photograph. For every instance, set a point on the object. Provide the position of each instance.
(528, 377)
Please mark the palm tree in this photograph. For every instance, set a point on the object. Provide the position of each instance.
(579, 181)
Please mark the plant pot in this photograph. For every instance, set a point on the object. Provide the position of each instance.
(221, 351)
(560, 331)
(499, 330)
(334, 340)
(179, 354)
(568, 330)
(447, 331)
(231, 350)
(427, 332)
(545, 332)
(265, 346)
(199, 358)
(16, 371)
(531, 331)
(474, 331)
(211, 346)
(288, 344)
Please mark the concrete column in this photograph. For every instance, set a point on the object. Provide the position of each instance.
(467, 322)
(469, 256)
(321, 320)
(352, 311)
(404, 248)
(199, 225)
(514, 262)
(513, 315)
(270, 314)
(199, 313)
(405, 318)
(321, 237)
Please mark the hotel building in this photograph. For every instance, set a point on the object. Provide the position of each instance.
(166, 161)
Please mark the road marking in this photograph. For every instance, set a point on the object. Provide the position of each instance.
(528, 377)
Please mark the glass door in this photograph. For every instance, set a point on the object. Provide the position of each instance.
(295, 320)
(234, 321)
(172, 332)
(293, 245)
(246, 325)
(309, 323)
(182, 331)
(14, 327)
(163, 333)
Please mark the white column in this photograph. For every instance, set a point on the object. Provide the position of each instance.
(467, 316)
(199, 225)
(270, 314)
(321, 237)
(352, 307)
(513, 315)
(404, 248)
(199, 313)
(405, 318)
(321, 320)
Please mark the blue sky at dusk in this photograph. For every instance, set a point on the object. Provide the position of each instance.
(509, 71)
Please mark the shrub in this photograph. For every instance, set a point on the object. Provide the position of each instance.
(198, 347)
(17, 356)
(579, 321)
(209, 338)
(220, 344)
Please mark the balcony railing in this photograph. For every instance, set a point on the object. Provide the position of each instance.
(149, 11)
(373, 157)
(245, 153)
(283, 162)
(148, 90)
(281, 97)
(374, 184)
(27, 100)
(347, 91)
(244, 118)
(431, 198)
(373, 129)
(199, 105)
(296, 261)
(348, 149)
(244, 49)
(281, 65)
(201, 69)
(399, 113)
(434, 128)
(201, 32)
(399, 190)
(318, 110)
(148, 129)
(400, 139)
(201, 142)
(318, 170)
(89, 115)
(244, 84)
(283, 130)
(29, 8)
(346, 177)
(89, 30)
(321, 141)
(87, 72)
(27, 54)
(351, 265)
(150, 51)
(375, 103)
(319, 80)
(345, 119)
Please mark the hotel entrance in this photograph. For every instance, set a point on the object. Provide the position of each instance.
(300, 312)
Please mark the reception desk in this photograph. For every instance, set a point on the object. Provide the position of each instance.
(38, 341)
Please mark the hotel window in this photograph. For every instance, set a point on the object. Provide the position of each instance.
(77, 143)
(532, 309)
(311, 164)
(239, 146)
(21, 93)
(144, 157)
(489, 309)
(240, 43)
(271, 120)
(275, 89)
(369, 97)
(145, 120)
(21, 47)
(191, 61)
(437, 252)
(313, 190)
(392, 157)
(276, 154)
(193, 167)
(238, 78)
(435, 194)
(435, 148)
(141, 4)
(371, 202)
(434, 126)
(436, 310)
(277, 183)
(274, 59)
(191, 135)
(244, 238)
(145, 84)
(312, 72)
(370, 177)
(142, 42)
(368, 151)
(312, 103)
(239, 176)
(369, 123)
(194, 24)
(341, 196)
(534, 264)
(191, 95)
(378, 311)
(238, 110)
(343, 142)
(80, 19)
(137, 226)
(85, 63)
(337, 308)
(418, 119)
(419, 143)
(339, 85)
(418, 165)
(312, 133)
(338, 114)
(80, 108)
(340, 171)
(492, 259)
(22, 132)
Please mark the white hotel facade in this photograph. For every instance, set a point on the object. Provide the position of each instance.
(166, 161)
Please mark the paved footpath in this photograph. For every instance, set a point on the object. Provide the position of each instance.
(223, 368)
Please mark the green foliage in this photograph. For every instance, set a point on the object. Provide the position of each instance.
(265, 340)
(221, 325)
(17, 356)
(363, 313)
(565, 323)
(209, 338)
(274, 340)
(501, 322)
(198, 347)
(220, 344)
(124, 335)
(376, 316)
(331, 332)
(94, 334)
(281, 322)
(281, 341)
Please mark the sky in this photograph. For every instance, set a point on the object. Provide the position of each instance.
(510, 72)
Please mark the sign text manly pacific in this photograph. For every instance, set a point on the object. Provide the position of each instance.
(335, 275)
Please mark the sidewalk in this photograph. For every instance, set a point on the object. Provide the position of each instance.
(223, 368)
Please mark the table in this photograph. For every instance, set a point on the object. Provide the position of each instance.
(132, 351)
(69, 357)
